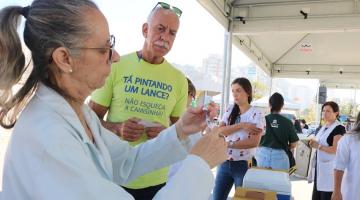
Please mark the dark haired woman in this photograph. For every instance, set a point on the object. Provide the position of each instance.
(326, 144)
(280, 132)
(243, 125)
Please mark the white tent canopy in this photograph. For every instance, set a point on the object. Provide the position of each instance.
(296, 38)
(263, 102)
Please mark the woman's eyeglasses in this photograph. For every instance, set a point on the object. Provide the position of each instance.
(164, 5)
(110, 49)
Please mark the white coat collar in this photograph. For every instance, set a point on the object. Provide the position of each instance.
(324, 133)
(58, 104)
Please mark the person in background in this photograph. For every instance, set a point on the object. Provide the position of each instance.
(322, 169)
(191, 93)
(303, 124)
(243, 125)
(347, 165)
(293, 120)
(297, 126)
(280, 133)
(58, 148)
(348, 124)
(144, 93)
(304, 127)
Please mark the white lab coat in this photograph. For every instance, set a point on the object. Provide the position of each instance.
(324, 162)
(50, 157)
(348, 160)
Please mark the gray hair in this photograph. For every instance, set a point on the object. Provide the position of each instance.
(356, 129)
(49, 24)
(155, 11)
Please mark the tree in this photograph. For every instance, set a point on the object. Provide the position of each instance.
(259, 89)
(309, 114)
(346, 108)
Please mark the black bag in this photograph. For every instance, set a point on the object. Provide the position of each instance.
(253, 162)
(285, 147)
(292, 161)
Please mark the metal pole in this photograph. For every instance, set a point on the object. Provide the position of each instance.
(354, 106)
(271, 84)
(226, 71)
(317, 106)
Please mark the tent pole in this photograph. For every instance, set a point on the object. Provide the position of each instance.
(271, 85)
(317, 106)
(226, 71)
(354, 106)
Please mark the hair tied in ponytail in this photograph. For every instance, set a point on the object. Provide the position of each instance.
(25, 11)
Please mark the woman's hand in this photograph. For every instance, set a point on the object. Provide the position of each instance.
(250, 128)
(211, 147)
(212, 110)
(313, 143)
(193, 120)
(336, 196)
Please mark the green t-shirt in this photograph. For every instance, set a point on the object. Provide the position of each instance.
(147, 91)
(284, 130)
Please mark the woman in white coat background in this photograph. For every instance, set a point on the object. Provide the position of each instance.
(347, 165)
(326, 144)
(58, 148)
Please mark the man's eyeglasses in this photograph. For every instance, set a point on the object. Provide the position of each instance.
(164, 5)
(110, 48)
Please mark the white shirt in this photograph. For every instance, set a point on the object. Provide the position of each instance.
(50, 157)
(252, 115)
(325, 161)
(348, 160)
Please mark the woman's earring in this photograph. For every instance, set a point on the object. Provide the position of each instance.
(70, 71)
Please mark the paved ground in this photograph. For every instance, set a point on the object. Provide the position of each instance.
(301, 190)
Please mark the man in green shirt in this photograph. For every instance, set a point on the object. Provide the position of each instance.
(144, 93)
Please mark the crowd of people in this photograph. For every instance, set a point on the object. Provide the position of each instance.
(141, 118)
